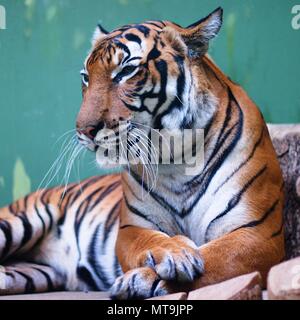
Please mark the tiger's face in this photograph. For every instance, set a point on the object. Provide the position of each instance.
(141, 76)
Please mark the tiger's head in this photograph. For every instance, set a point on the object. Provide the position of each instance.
(148, 76)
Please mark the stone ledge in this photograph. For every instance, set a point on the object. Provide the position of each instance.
(245, 287)
(286, 141)
(60, 295)
(174, 296)
(284, 281)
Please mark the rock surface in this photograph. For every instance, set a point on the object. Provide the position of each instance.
(284, 281)
(286, 140)
(60, 295)
(245, 287)
(174, 296)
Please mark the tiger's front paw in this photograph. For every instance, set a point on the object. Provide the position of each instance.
(178, 259)
(139, 283)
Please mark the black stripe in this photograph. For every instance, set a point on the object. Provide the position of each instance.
(102, 29)
(9, 274)
(110, 222)
(153, 54)
(255, 223)
(132, 59)
(49, 214)
(150, 262)
(12, 209)
(80, 215)
(154, 286)
(233, 202)
(257, 143)
(208, 126)
(26, 202)
(93, 254)
(128, 186)
(219, 145)
(47, 209)
(7, 230)
(203, 19)
(85, 207)
(134, 108)
(155, 24)
(65, 204)
(27, 229)
(30, 286)
(105, 193)
(117, 267)
(157, 197)
(203, 180)
(277, 233)
(140, 85)
(140, 214)
(38, 241)
(85, 275)
(132, 293)
(82, 189)
(65, 191)
(177, 101)
(143, 29)
(41, 219)
(133, 37)
(126, 226)
(50, 286)
(162, 68)
(123, 47)
(87, 202)
(221, 139)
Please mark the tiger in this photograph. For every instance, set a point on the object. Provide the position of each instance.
(122, 234)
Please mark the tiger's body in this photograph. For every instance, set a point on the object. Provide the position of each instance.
(185, 233)
(65, 244)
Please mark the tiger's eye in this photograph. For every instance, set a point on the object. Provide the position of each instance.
(124, 72)
(127, 70)
(86, 78)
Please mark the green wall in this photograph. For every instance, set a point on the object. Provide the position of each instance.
(42, 50)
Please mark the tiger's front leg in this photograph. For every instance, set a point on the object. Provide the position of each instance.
(156, 264)
(150, 258)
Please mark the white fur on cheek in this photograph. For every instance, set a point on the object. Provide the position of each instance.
(107, 162)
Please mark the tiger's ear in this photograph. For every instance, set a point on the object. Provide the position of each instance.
(172, 36)
(99, 33)
(197, 35)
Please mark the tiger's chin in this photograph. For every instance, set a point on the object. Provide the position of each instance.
(106, 159)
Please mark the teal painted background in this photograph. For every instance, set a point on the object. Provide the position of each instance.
(42, 50)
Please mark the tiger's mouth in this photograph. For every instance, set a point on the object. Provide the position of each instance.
(112, 137)
(104, 137)
(124, 144)
(86, 142)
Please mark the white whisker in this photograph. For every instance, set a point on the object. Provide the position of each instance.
(55, 167)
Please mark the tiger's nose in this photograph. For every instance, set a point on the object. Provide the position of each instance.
(91, 131)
